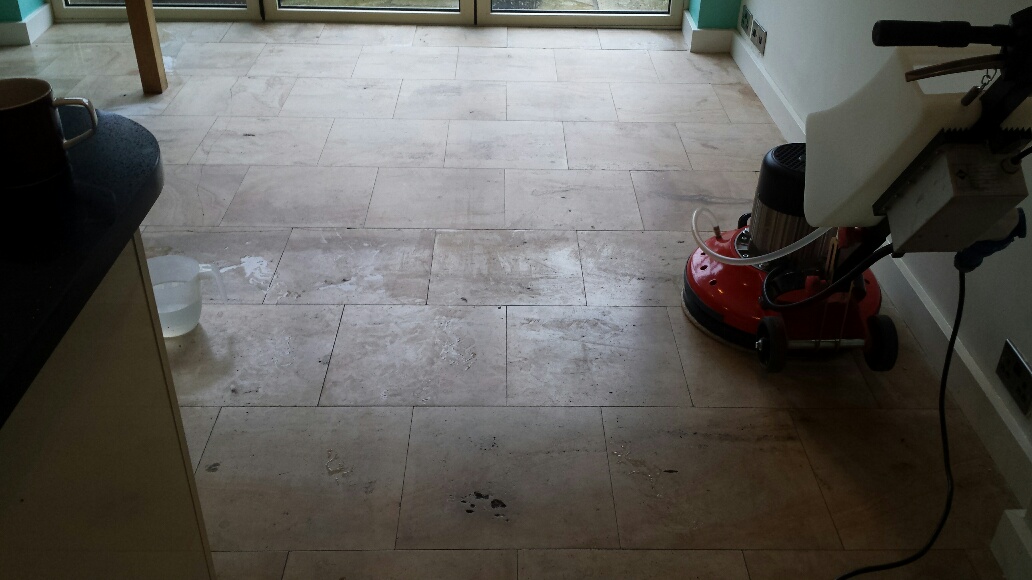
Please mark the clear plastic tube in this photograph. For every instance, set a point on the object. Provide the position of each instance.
(755, 260)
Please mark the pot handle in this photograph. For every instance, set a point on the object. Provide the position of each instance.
(79, 102)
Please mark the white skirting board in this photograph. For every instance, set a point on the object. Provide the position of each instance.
(1012, 545)
(29, 29)
(792, 126)
(705, 40)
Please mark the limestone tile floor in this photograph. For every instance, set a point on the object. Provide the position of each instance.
(452, 343)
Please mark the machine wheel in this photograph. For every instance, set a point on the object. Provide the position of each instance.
(882, 345)
(772, 343)
(743, 220)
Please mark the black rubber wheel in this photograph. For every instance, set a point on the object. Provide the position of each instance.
(882, 346)
(743, 220)
(772, 343)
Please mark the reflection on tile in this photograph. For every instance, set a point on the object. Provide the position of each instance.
(325, 479)
(182, 32)
(367, 34)
(634, 268)
(618, 66)
(197, 424)
(805, 565)
(406, 62)
(354, 267)
(720, 375)
(124, 94)
(386, 143)
(263, 141)
(624, 146)
(62, 86)
(742, 104)
(232, 96)
(195, 195)
(178, 136)
(254, 355)
(86, 32)
(274, 32)
(246, 260)
(407, 564)
(460, 36)
(641, 39)
(349, 98)
(654, 102)
(96, 59)
(728, 147)
(570, 200)
(506, 267)
(690, 67)
(478, 100)
(560, 102)
(506, 64)
(418, 355)
(558, 355)
(303, 196)
(305, 60)
(668, 198)
(881, 474)
(437, 198)
(488, 478)
(249, 565)
(687, 478)
(553, 38)
(212, 58)
(506, 144)
(632, 564)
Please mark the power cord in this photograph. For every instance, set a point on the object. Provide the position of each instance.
(945, 452)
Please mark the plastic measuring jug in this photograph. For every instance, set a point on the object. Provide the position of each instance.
(177, 291)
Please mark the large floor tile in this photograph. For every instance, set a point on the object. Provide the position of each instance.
(179, 137)
(634, 268)
(437, 198)
(560, 102)
(506, 144)
(348, 98)
(506, 267)
(32, 60)
(721, 375)
(460, 36)
(197, 424)
(741, 104)
(92, 59)
(263, 141)
(232, 96)
(338, 266)
(293, 478)
(303, 196)
(86, 32)
(472, 100)
(386, 143)
(124, 94)
(632, 564)
(254, 355)
(305, 60)
(882, 475)
(641, 39)
(728, 147)
(192, 31)
(648, 146)
(912, 383)
(367, 34)
(821, 565)
(195, 195)
(667, 199)
(616, 66)
(274, 32)
(418, 355)
(658, 102)
(249, 565)
(985, 565)
(245, 260)
(689, 67)
(506, 64)
(406, 62)
(402, 564)
(581, 200)
(211, 58)
(507, 478)
(563, 355)
(713, 479)
(520, 37)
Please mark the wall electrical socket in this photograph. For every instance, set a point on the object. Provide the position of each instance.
(745, 22)
(1016, 375)
(759, 37)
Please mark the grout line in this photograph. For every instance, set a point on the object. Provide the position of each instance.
(404, 475)
(609, 466)
(506, 356)
(637, 202)
(430, 277)
(684, 371)
(376, 177)
(813, 472)
(283, 573)
(745, 563)
(566, 153)
(206, 439)
(580, 261)
(279, 262)
(326, 371)
(397, 99)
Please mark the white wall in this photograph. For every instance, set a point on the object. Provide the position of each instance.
(818, 53)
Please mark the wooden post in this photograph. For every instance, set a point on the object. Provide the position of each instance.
(147, 45)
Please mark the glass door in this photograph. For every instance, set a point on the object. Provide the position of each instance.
(170, 10)
(596, 13)
(456, 12)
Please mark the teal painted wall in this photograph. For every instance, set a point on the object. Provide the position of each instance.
(714, 13)
(15, 10)
(693, 9)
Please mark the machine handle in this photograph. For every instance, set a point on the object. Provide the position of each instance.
(952, 33)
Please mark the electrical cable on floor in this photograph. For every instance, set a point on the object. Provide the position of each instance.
(945, 454)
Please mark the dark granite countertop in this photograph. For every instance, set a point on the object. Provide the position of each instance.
(56, 248)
